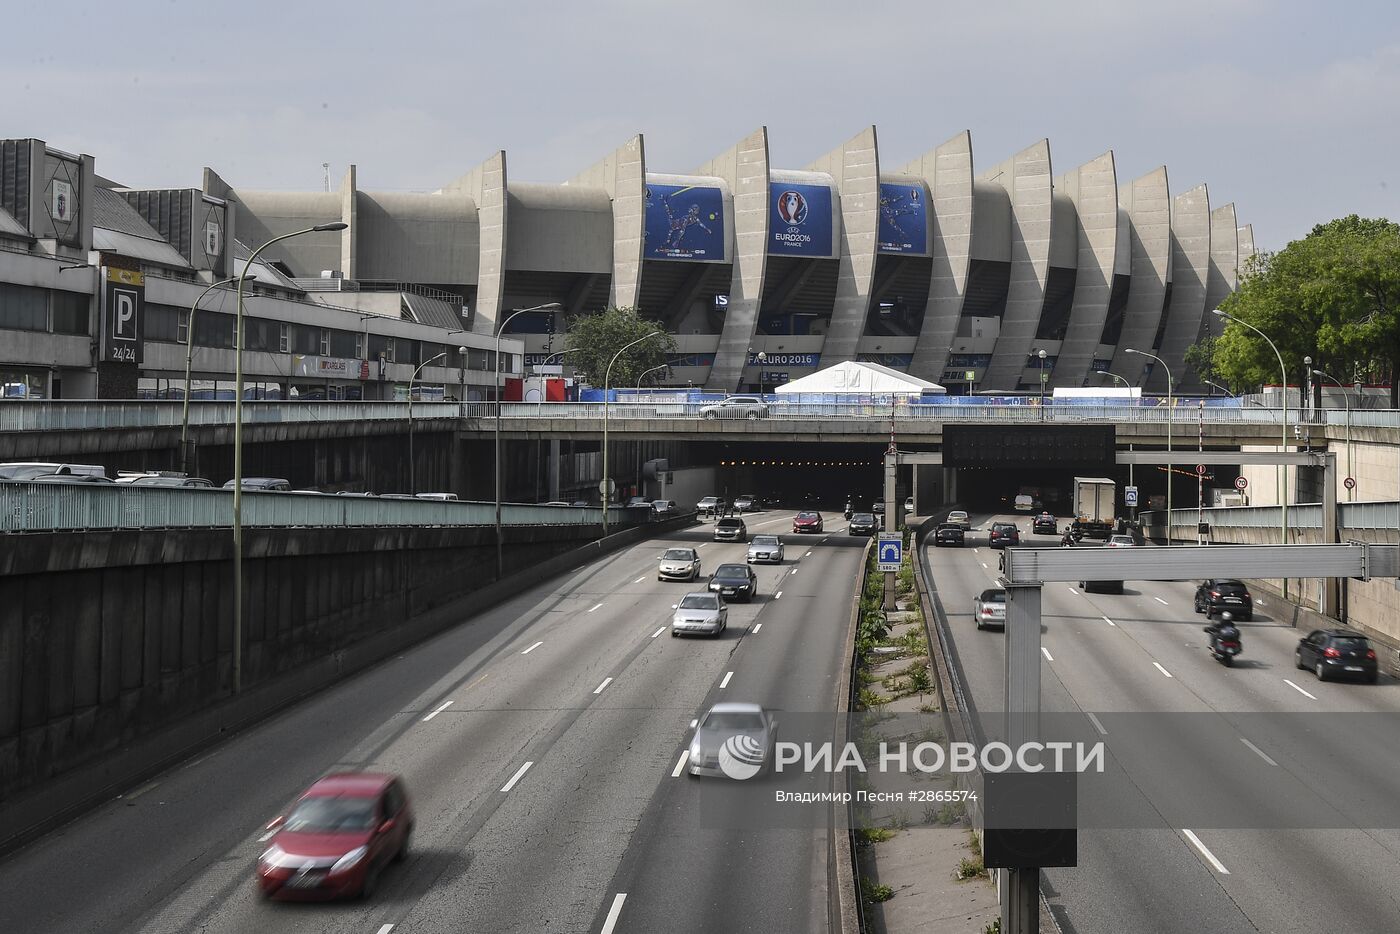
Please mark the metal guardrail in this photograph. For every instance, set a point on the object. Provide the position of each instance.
(53, 507)
(1378, 516)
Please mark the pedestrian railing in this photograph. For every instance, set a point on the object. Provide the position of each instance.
(1368, 516)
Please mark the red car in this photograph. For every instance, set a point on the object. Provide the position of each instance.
(338, 838)
(807, 521)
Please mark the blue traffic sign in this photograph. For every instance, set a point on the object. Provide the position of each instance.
(889, 552)
(1130, 496)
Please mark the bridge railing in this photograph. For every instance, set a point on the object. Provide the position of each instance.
(1368, 516)
(54, 507)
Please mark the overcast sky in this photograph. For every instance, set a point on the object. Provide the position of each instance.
(1289, 109)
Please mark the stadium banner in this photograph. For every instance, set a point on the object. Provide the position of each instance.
(800, 220)
(684, 222)
(903, 219)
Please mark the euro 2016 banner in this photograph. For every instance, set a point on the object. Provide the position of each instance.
(800, 220)
(684, 222)
(903, 219)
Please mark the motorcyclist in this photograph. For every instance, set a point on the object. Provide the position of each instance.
(850, 509)
(1067, 540)
(1225, 630)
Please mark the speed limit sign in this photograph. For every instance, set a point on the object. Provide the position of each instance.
(1241, 483)
(1349, 483)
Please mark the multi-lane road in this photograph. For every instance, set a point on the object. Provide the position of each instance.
(542, 745)
(1117, 659)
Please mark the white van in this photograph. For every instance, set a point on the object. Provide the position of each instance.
(1025, 503)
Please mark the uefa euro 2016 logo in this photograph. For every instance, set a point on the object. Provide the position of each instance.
(792, 208)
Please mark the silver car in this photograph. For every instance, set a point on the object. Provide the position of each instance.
(989, 609)
(679, 564)
(766, 548)
(750, 407)
(700, 612)
(734, 741)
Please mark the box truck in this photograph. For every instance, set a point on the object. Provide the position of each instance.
(1095, 501)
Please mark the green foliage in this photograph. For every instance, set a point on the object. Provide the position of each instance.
(971, 868)
(874, 891)
(993, 928)
(594, 339)
(868, 836)
(919, 680)
(869, 700)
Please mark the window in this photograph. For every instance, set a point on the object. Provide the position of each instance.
(182, 328)
(71, 313)
(24, 308)
(213, 329)
(341, 344)
(359, 346)
(162, 322)
(325, 342)
(284, 341)
(306, 340)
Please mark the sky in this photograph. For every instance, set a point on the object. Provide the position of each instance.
(1289, 109)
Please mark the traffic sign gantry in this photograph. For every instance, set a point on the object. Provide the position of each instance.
(889, 552)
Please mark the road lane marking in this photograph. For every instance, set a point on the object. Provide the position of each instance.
(984, 564)
(1210, 857)
(807, 555)
(1161, 601)
(1046, 652)
(599, 688)
(385, 929)
(680, 763)
(269, 835)
(516, 777)
(1298, 689)
(793, 571)
(757, 627)
(610, 921)
(1109, 621)
(532, 648)
(141, 791)
(725, 683)
(658, 632)
(1257, 751)
(595, 606)
(1071, 590)
(1164, 671)
(1095, 721)
(444, 706)
(692, 723)
(974, 551)
(639, 580)
(778, 595)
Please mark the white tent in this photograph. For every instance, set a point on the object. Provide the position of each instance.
(863, 379)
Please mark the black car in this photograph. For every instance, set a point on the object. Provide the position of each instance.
(1337, 653)
(878, 507)
(1101, 586)
(1044, 524)
(734, 581)
(948, 534)
(863, 523)
(1003, 534)
(1215, 596)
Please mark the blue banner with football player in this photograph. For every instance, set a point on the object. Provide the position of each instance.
(684, 222)
(903, 219)
(800, 221)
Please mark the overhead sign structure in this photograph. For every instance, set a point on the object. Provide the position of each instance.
(1130, 496)
(684, 222)
(889, 551)
(123, 313)
(903, 219)
(800, 221)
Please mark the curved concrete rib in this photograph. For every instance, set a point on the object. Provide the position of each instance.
(623, 175)
(1224, 270)
(948, 173)
(1190, 269)
(486, 185)
(1026, 178)
(1244, 238)
(855, 166)
(745, 168)
(1147, 201)
(1093, 187)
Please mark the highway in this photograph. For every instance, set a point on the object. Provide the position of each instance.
(1142, 652)
(540, 744)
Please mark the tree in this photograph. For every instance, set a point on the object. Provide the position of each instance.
(595, 338)
(1333, 295)
(1200, 357)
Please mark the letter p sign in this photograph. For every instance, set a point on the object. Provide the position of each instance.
(123, 315)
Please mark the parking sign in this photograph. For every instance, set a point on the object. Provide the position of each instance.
(1130, 496)
(889, 551)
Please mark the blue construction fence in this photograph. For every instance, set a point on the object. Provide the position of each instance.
(701, 397)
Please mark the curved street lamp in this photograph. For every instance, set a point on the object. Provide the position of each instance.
(412, 464)
(664, 366)
(1170, 466)
(238, 448)
(762, 358)
(189, 361)
(1351, 491)
(606, 486)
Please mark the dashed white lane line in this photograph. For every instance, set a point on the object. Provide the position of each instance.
(1298, 689)
(1158, 666)
(793, 571)
(269, 835)
(1258, 752)
(984, 564)
(1109, 621)
(639, 580)
(692, 723)
(594, 607)
(680, 763)
(725, 682)
(1095, 721)
(1161, 601)
(516, 777)
(599, 688)
(1046, 652)
(757, 627)
(385, 929)
(807, 555)
(1210, 857)
(778, 595)
(139, 792)
(610, 921)
(1073, 591)
(658, 632)
(974, 551)
(532, 648)
(444, 706)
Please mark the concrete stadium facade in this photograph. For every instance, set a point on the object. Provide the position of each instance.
(952, 274)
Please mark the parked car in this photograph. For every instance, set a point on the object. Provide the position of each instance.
(274, 484)
(24, 470)
(1337, 653)
(709, 506)
(807, 521)
(1003, 534)
(748, 731)
(745, 502)
(863, 523)
(731, 530)
(163, 479)
(338, 838)
(734, 580)
(749, 407)
(959, 518)
(989, 609)
(664, 507)
(700, 612)
(638, 502)
(767, 548)
(1220, 594)
(555, 502)
(909, 504)
(949, 534)
(1120, 541)
(1044, 524)
(68, 478)
(452, 497)
(397, 496)
(679, 564)
(878, 507)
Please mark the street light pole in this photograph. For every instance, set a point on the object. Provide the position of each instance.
(1041, 354)
(413, 464)
(1351, 491)
(1220, 387)
(1170, 407)
(606, 486)
(189, 360)
(238, 449)
(663, 366)
(762, 359)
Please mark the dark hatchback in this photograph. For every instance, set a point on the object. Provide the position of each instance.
(1337, 653)
(948, 534)
(734, 581)
(1044, 524)
(1003, 534)
(863, 523)
(1215, 596)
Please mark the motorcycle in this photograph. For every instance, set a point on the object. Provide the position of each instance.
(849, 512)
(1225, 642)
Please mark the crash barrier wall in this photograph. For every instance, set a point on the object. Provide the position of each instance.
(116, 647)
(848, 918)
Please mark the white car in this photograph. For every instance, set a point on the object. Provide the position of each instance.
(679, 564)
(701, 613)
(767, 548)
(1120, 541)
(959, 518)
(750, 407)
